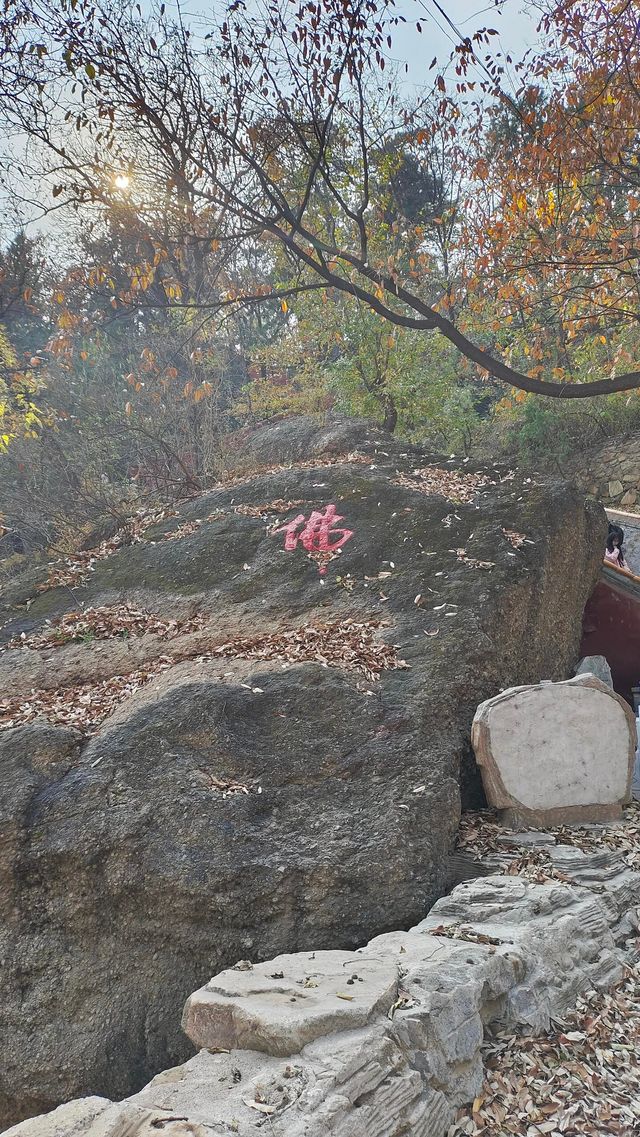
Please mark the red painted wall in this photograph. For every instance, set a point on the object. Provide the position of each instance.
(611, 627)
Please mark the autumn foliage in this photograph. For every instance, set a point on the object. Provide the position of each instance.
(261, 218)
(554, 208)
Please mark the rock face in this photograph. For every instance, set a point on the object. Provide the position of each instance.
(401, 1050)
(556, 752)
(272, 780)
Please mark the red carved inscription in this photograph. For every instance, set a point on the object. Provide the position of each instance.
(318, 534)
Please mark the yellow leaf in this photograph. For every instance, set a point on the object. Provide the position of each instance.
(284, 306)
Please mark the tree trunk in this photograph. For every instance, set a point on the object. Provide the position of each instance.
(390, 421)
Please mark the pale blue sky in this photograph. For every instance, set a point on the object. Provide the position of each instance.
(515, 21)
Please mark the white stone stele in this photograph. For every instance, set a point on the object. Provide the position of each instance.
(499, 950)
(556, 753)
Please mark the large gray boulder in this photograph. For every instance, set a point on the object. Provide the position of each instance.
(261, 792)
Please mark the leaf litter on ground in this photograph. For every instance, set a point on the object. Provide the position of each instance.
(581, 1078)
(578, 1080)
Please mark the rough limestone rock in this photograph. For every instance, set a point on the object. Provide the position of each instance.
(596, 665)
(92, 1115)
(282, 1005)
(553, 753)
(239, 805)
(498, 952)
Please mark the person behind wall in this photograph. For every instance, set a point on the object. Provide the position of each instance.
(614, 551)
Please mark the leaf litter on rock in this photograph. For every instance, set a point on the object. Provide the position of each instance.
(104, 623)
(75, 569)
(347, 644)
(353, 457)
(455, 487)
(480, 831)
(581, 1078)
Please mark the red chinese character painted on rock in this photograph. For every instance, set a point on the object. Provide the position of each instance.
(318, 534)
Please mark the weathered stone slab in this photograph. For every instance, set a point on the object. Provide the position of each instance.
(556, 753)
(558, 938)
(522, 838)
(280, 1006)
(84, 1117)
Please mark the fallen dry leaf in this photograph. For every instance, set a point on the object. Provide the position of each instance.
(347, 644)
(454, 486)
(104, 623)
(473, 562)
(518, 540)
(261, 1106)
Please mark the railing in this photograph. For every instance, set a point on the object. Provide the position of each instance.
(620, 577)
